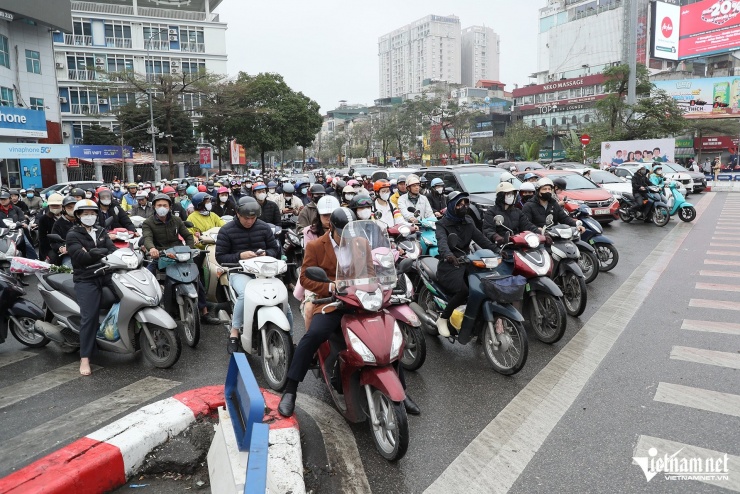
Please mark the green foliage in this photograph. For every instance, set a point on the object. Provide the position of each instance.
(97, 135)
(518, 134)
(529, 151)
(131, 117)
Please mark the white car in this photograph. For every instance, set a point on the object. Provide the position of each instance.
(614, 184)
(686, 183)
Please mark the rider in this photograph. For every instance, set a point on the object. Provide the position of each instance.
(362, 206)
(640, 184)
(15, 214)
(129, 199)
(177, 209)
(109, 208)
(505, 206)
(544, 204)
(224, 204)
(309, 213)
(272, 193)
(142, 207)
(400, 190)
(245, 237)
(348, 192)
(288, 202)
(437, 197)
(657, 178)
(270, 210)
(203, 219)
(61, 227)
(32, 200)
(15, 199)
(526, 192)
(560, 185)
(46, 223)
(389, 214)
(450, 273)
(414, 199)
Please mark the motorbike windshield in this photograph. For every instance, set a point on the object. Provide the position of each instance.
(365, 259)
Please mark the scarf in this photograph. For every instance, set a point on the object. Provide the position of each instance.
(450, 213)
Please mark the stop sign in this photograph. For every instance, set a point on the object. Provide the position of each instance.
(585, 139)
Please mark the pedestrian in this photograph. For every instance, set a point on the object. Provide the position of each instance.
(716, 167)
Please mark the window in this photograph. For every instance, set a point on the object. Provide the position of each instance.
(37, 103)
(564, 120)
(120, 63)
(117, 34)
(574, 119)
(587, 118)
(192, 39)
(121, 99)
(6, 96)
(33, 62)
(156, 37)
(554, 121)
(4, 52)
(589, 91)
(191, 66)
(575, 93)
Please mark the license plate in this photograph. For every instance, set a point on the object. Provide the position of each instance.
(601, 211)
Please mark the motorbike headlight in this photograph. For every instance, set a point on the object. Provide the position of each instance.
(147, 298)
(532, 240)
(268, 269)
(371, 301)
(397, 341)
(130, 260)
(183, 256)
(359, 347)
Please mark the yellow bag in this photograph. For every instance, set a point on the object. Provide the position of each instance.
(456, 318)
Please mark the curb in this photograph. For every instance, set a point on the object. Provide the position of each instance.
(104, 459)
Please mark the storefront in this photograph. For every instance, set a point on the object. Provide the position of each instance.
(20, 126)
(724, 147)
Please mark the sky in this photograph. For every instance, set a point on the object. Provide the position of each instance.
(328, 49)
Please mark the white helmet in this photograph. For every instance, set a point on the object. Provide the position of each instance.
(505, 187)
(412, 180)
(327, 204)
(527, 187)
(544, 181)
(507, 177)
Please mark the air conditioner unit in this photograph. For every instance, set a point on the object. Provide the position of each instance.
(174, 64)
(99, 61)
(63, 100)
(66, 134)
(173, 31)
(102, 101)
(60, 65)
(173, 38)
(174, 70)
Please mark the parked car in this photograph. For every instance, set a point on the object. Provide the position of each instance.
(604, 207)
(614, 184)
(520, 166)
(626, 170)
(391, 173)
(64, 187)
(699, 179)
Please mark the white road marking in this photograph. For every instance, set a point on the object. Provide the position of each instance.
(341, 448)
(11, 358)
(704, 356)
(718, 287)
(720, 274)
(701, 303)
(19, 449)
(723, 253)
(711, 326)
(726, 237)
(721, 244)
(722, 262)
(699, 398)
(40, 383)
(495, 459)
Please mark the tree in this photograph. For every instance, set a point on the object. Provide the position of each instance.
(613, 108)
(306, 121)
(97, 135)
(217, 107)
(518, 134)
(529, 151)
(180, 128)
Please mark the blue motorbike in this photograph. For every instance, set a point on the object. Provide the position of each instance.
(677, 204)
(428, 242)
(603, 246)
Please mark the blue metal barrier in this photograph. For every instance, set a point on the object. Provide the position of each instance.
(256, 481)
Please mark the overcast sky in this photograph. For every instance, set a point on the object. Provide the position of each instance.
(329, 49)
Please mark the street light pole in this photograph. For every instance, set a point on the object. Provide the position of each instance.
(157, 170)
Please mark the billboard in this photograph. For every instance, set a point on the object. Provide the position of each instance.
(709, 27)
(713, 97)
(238, 153)
(644, 151)
(666, 22)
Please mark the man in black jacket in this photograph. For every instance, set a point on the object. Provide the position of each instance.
(270, 210)
(61, 227)
(640, 183)
(15, 214)
(544, 204)
(109, 208)
(514, 219)
(437, 197)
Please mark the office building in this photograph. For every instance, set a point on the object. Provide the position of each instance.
(480, 55)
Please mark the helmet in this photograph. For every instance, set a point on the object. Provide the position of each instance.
(394, 182)
(288, 189)
(259, 186)
(77, 192)
(348, 189)
(85, 205)
(340, 218)
(182, 187)
(14, 192)
(401, 179)
(657, 167)
(542, 182)
(339, 184)
(202, 188)
(249, 208)
(527, 187)
(191, 191)
(199, 200)
(529, 175)
(357, 175)
(507, 177)
(353, 183)
(209, 183)
(271, 184)
(4, 194)
(69, 200)
(168, 190)
(55, 200)
(141, 195)
(412, 179)
(437, 181)
(327, 204)
(162, 197)
(505, 187)
(423, 180)
(131, 185)
(102, 188)
(381, 184)
(560, 183)
(317, 189)
(222, 190)
(360, 201)
(455, 197)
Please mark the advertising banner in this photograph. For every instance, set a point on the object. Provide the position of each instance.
(709, 27)
(22, 122)
(205, 157)
(39, 151)
(100, 152)
(644, 151)
(666, 23)
(238, 153)
(713, 97)
(31, 173)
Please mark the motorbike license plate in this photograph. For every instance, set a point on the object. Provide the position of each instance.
(601, 211)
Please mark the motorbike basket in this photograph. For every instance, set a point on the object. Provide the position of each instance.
(504, 289)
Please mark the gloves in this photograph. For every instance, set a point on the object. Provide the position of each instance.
(548, 240)
(97, 253)
(498, 239)
(452, 260)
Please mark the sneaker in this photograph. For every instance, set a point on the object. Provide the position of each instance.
(233, 345)
(442, 327)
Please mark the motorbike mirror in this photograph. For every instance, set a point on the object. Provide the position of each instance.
(189, 224)
(55, 237)
(548, 220)
(315, 273)
(404, 266)
(417, 213)
(453, 240)
(498, 219)
(449, 190)
(378, 215)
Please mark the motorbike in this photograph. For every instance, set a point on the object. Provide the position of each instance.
(358, 364)
(18, 314)
(606, 253)
(524, 254)
(292, 243)
(677, 204)
(489, 313)
(33, 226)
(657, 212)
(567, 273)
(125, 239)
(428, 237)
(215, 276)
(266, 331)
(140, 325)
(10, 237)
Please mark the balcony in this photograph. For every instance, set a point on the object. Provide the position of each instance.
(85, 109)
(118, 42)
(157, 45)
(77, 40)
(193, 47)
(78, 140)
(81, 75)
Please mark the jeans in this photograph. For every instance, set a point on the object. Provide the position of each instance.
(238, 282)
(66, 261)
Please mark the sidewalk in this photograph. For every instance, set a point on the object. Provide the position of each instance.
(723, 186)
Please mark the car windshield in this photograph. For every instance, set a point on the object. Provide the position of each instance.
(674, 167)
(482, 181)
(602, 177)
(576, 182)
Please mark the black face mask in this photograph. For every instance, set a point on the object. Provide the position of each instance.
(546, 196)
(525, 197)
(462, 211)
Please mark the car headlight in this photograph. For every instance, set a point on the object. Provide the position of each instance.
(532, 240)
(183, 256)
(396, 342)
(362, 350)
(371, 301)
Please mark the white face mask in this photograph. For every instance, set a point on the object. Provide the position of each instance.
(385, 196)
(348, 197)
(209, 206)
(272, 191)
(223, 198)
(88, 195)
(162, 211)
(260, 196)
(364, 214)
(439, 189)
(88, 220)
(105, 202)
(509, 199)
(56, 211)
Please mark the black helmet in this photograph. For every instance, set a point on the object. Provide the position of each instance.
(162, 197)
(317, 189)
(4, 194)
(340, 184)
(340, 218)
(209, 183)
(360, 201)
(423, 181)
(248, 207)
(77, 192)
(560, 183)
(68, 200)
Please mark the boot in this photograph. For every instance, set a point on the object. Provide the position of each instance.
(442, 327)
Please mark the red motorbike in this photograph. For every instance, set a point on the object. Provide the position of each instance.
(359, 365)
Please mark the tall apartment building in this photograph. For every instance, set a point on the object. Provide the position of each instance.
(425, 50)
(149, 37)
(480, 55)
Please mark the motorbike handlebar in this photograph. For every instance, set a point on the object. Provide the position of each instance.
(320, 301)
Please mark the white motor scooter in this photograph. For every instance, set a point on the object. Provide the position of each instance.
(266, 330)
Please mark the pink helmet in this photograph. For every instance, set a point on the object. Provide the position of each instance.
(223, 190)
(353, 183)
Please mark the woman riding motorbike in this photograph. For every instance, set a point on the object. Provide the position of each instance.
(514, 220)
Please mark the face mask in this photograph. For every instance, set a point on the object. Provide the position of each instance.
(364, 214)
(303, 191)
(56, 211)
(162, 211)
(272, 191)
(234, 191)
(260, 196)
(509, 199)
(88, 220)
(385, 196)
(461, 212)
(105, 202)
(209, 206)
(88, 195)
(439, 189)
(348, 197)
(546, 196)
(659, 172)
(223, 198)
(70, 212)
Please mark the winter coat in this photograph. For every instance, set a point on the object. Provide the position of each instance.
(120, 218)
(233, 239)
(165, 234)
(514, 219)
(537, 214)
(79, 244)
(270, 213)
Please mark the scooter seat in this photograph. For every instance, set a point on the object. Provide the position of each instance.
(430, 265)
(628, 196)
(63, 283)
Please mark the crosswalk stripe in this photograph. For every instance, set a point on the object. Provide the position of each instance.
(717, 244)
(711, 326)
(702, 399)
(722, 253)
(720, 274)
(19, 449)
(727, 237)
(704, 356)
(722, 262)
(701, 303)
(718, 287)
(40, 383)
(11, 358)
(730, 480)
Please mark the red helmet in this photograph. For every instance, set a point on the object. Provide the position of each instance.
(100, 189)
(223, 190)
(381, 184)
(202, 188)
(168, 190)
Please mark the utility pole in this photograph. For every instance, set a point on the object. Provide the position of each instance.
(631, 33)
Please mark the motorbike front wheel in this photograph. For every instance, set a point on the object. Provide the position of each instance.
(574, 293)
(608, 256)
(191, 325)
(505, 344)
(589, 265)
(554, 321)
(661, 216)
(414, 347)
(687, 213)
(279, 355)
(391, 434)
(167, 347)
(24, 333)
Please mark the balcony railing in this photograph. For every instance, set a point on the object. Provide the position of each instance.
(85, 109)
(78, 140)
(193, 47)
(157, 45)
(77, 40)
(118, 42)
(81, 75)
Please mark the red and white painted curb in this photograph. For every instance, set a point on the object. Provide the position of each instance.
(103, 460)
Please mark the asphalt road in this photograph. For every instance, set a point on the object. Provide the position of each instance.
(457, 390)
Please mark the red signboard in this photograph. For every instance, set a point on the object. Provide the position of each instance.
(73, 162)
(589, 80)
(205, 157)
(585, 139)
(709, 27)
(715, 143)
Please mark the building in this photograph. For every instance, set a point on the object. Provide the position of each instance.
(149, 37)
(480, 55)
(425, 50)
(29, 106)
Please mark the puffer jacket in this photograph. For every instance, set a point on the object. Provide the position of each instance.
(79, 244)
(163, 235)
(233, 239)
(270, 213)
(514, 219)
(120, 218)
(203, 223)
(537, 214)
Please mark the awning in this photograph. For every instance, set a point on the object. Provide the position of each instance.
(684, 153)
